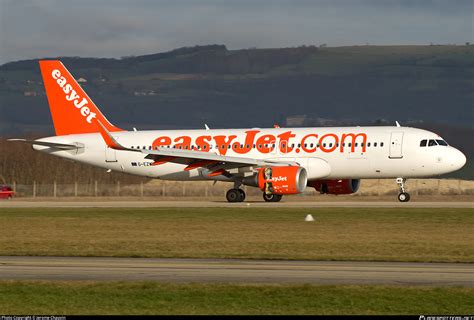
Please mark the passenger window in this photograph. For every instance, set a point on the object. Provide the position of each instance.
(368, 144)
(432, 143)
(375, 144)
(423, 143)
(381, 144)
(356, 144)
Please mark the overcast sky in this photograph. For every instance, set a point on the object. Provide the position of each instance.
(115, 28)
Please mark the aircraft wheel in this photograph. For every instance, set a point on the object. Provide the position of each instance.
(272, 197)
(277, 198)
(242, 195)
(404, 197)
(234, 195)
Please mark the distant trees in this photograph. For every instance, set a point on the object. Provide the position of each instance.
(20, 164)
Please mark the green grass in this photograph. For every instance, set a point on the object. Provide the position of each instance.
(28, 297)
(427, 235)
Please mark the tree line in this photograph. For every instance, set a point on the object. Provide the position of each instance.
(21, 164)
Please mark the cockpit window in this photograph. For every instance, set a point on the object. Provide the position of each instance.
(432, 143)
(442, 142)
(423, 143)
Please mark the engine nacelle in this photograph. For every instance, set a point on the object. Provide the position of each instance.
(282, 180)
(346, 186)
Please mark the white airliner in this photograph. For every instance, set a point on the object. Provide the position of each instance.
(279, 161)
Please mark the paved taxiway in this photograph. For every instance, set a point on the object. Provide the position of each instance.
(224, 204)
(235, 270)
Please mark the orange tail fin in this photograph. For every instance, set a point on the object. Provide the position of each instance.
(71, 108)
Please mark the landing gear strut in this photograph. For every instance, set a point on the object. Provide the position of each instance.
(403, 196)
(235, 195)
(272, 197)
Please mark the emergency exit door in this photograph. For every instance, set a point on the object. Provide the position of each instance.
(110, 155)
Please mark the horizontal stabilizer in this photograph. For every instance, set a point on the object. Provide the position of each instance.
(61, 146)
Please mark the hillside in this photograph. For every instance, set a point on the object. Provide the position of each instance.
(187, 87)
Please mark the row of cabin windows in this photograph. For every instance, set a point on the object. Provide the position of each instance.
(306, 145)
(432, 142)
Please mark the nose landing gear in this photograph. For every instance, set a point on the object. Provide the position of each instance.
(403, 196)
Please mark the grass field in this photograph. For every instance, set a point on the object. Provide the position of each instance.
(427, 235)
(27, 297)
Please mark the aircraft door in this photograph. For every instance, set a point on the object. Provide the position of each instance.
(110, 154)
(396, 143)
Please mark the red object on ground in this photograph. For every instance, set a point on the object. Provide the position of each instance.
(6, 192)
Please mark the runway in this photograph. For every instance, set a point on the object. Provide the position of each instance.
(224, 204)
(235, 271)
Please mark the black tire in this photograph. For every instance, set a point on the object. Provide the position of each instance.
(233, 195)
(277, 197)
(242, 195)
(271, 197)
(404, 197)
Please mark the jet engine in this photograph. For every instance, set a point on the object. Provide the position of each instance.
(279, 180)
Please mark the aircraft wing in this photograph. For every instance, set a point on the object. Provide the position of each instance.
(192, 158)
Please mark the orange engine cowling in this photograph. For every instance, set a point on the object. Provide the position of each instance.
(282, 180)
(346, 186)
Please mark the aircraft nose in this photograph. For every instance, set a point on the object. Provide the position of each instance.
(458, 159)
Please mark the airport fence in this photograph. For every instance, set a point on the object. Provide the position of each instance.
(160, 188)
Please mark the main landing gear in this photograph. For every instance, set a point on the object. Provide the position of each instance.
(272, 197)
(403, 196)
(235, 195)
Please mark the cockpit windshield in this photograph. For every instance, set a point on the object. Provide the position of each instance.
(442, 142)
(432, 142)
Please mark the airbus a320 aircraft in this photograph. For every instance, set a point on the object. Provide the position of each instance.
(279, 161)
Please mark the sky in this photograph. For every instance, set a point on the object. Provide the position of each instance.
(116, 28)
